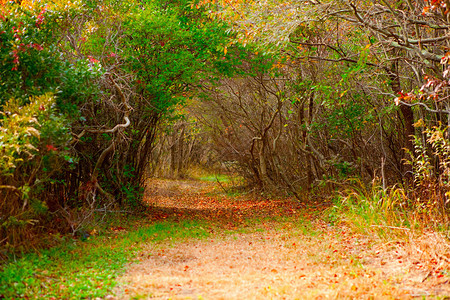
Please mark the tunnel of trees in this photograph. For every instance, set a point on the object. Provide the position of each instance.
(296, 97)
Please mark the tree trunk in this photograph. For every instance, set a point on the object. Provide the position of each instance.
(408, 117)
(263, 165)
(173, 153)
(181, 156)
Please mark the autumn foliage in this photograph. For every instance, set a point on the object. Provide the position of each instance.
(293, 97)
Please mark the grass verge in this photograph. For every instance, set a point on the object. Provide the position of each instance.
(416, 233)
(88, 269)
(389, 214)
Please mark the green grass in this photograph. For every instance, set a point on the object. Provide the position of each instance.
(216, 177)
(87, 269)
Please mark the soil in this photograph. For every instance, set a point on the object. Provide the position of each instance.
(276, 249)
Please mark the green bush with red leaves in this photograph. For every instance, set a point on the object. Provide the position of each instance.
(40, 94)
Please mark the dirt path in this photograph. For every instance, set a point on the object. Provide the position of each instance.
(269, 257)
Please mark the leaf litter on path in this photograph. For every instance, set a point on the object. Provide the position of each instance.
(277, 257)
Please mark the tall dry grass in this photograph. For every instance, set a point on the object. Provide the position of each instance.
(388, 213)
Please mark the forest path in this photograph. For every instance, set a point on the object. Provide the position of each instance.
(260, 249)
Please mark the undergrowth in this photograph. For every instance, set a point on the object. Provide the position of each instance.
(85, 269)
(388, 213)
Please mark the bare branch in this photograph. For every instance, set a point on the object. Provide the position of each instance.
(424, 106)
(9, 187)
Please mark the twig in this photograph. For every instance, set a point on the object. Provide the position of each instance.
(8, 187)
(112, 211)
(391, 227)
(218, 181)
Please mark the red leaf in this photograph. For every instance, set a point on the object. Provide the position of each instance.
(51, 148)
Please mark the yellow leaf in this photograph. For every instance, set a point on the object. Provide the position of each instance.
(33, 131)
(419, 123)
(29, 146)
(343, 93)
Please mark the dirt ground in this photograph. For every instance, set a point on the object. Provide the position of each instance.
(267, 256)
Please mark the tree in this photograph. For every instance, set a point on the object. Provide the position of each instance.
(393, 43)
(86, 85)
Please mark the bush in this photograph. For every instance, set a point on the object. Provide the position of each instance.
(40, 95)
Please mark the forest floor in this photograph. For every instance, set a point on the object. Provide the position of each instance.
(260, 249)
